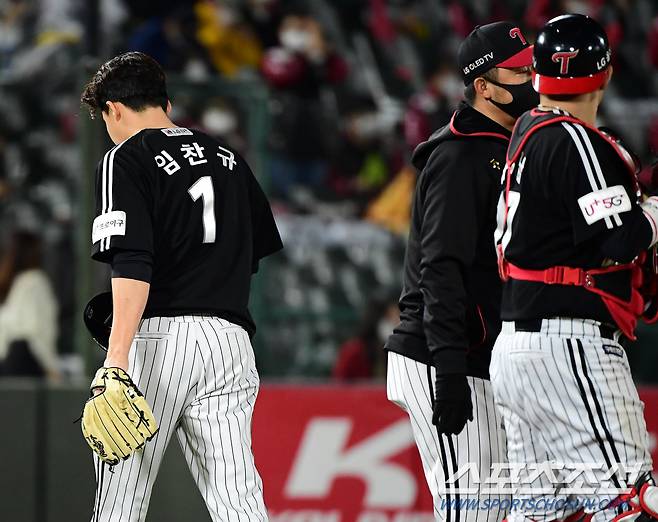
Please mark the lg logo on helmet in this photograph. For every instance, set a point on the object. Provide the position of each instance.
(563, 57)
(603, 62)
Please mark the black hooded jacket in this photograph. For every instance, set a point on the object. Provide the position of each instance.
(450, 302)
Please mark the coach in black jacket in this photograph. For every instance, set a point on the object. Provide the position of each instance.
(450, 304)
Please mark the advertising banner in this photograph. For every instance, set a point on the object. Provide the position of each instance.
(345, 454)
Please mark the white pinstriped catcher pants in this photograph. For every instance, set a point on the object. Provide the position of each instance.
(567, 397)
(481, 443)
(198, 374)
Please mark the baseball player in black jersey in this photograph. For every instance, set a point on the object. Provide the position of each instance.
(183, 223)
(439, 354)
(573, 234)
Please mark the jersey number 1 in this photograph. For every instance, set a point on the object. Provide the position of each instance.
(203, 189)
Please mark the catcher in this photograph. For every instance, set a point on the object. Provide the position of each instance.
(575, 239)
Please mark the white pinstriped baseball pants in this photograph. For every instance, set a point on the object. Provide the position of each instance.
(198, 374)
(481, 443)
(567, 396)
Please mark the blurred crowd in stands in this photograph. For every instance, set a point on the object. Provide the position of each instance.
(353, 86)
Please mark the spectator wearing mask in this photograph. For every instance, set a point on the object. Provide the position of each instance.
(28, 311)
(298, 70)
(432, 107)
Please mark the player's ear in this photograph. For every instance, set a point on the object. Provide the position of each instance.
(168, 111)
(481, 87)
(601, 92)
(608, 77)
(113, 110)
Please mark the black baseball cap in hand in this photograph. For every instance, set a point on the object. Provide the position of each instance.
(500, 44)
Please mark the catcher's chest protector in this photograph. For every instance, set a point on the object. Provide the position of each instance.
(643, 280)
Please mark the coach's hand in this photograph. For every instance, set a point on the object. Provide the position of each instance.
(452, 403)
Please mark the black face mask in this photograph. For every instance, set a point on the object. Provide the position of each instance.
(524, 98)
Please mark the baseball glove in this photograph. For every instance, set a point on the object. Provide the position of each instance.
(116, 421)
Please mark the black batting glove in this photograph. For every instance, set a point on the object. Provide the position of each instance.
(453, 406)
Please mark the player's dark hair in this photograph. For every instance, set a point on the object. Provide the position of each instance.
(134, 79)
(469, 90)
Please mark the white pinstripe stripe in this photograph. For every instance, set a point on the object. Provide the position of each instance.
(106, 158)
(245, 350)
(407, 384)
(108, 182)
(567, 433)
(419, 416)
(234, 424)
(222, 383)
(591, 401)
(586, 162)
(223, 395)
(104, 186)
(105, 243)
(597, 166)
(99, 488)
(168, 411)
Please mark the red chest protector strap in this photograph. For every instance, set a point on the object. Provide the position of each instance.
(624, 312)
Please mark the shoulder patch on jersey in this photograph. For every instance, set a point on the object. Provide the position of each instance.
(604, 203)
(108, 224)
(177, 131)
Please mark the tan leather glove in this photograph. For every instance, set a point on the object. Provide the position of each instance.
(117, 420)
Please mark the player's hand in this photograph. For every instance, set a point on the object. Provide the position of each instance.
(116, 362)
(117, 357)
(112, 362)
(453, 406)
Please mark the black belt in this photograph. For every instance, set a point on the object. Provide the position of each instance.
(606, 330)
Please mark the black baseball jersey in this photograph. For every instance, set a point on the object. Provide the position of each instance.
(194, 206)
(572, 202)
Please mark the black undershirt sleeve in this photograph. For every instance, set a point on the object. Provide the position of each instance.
(622, 244)
(132, 264)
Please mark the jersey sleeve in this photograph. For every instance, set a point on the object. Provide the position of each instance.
(124, 204)
(598, 190)
(451, 210)
(266, 238)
